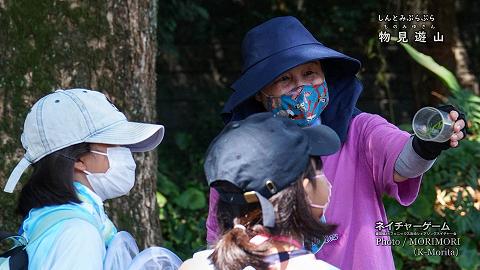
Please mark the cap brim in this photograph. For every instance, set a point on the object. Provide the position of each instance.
(139, 137)
(323, 141)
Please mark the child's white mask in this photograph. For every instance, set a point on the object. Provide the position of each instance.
(325, 189)
(119, 179)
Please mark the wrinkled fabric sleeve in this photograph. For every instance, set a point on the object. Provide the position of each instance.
(212, 225)
(410, 164)
(381, 144)
(75, 245)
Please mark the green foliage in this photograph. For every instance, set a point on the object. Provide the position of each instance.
(444, 74)
(182, 216)
(181, 195)
(171, 14)
(464, 99)
(470, 104)
(449, 172)
(449, 188)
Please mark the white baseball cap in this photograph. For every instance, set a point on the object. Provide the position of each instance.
(68, 117)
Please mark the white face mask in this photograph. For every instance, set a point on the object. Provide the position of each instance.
(325, 190)
(119, 179)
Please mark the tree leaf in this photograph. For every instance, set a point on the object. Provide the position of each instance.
(161, 200)
(192, 199)
(421, 209)
(427, 61)
(468, 256)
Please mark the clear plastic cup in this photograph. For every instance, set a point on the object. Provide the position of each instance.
(431, 124)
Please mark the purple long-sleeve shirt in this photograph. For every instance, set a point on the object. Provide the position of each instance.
(360, 173)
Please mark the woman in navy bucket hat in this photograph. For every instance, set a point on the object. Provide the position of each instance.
(286, 71)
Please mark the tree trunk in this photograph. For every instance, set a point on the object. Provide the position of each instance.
(109, 46)
(467, 48)
(133, 60)
(464, 73)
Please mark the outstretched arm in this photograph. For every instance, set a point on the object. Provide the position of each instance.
(418, 156)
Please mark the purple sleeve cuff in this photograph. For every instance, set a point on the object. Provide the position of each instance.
(404, 192)
(407, 191)
(382, 143)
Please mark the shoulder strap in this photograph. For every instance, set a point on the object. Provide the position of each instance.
(52, 218)
(5, 235)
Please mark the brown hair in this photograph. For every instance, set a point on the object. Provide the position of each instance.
(234, 250)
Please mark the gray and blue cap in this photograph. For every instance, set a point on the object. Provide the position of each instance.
(262, 155)
(67, 117)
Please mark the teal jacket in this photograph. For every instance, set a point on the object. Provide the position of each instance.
(74, 243)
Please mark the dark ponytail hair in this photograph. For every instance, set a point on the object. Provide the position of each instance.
(51, 182)
(234, 250)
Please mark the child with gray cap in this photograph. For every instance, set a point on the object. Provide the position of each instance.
(79, 145)
(272, 194)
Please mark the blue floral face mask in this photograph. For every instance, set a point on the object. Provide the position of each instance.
(303, 104)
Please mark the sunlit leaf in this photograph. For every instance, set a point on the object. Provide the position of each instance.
(427, 61)
(161, 200)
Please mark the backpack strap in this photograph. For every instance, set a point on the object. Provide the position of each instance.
(5, 235)
(50, 219)
(16, 258)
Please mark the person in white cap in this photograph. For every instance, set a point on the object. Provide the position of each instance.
(79, 145)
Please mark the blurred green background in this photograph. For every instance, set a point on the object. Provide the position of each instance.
(198, 57)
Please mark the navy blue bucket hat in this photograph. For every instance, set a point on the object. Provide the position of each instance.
(280, 44)
(276, 46)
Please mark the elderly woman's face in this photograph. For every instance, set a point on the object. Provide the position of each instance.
(310, 73)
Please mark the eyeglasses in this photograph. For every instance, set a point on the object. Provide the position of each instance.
(292, 93)
(273, 102)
